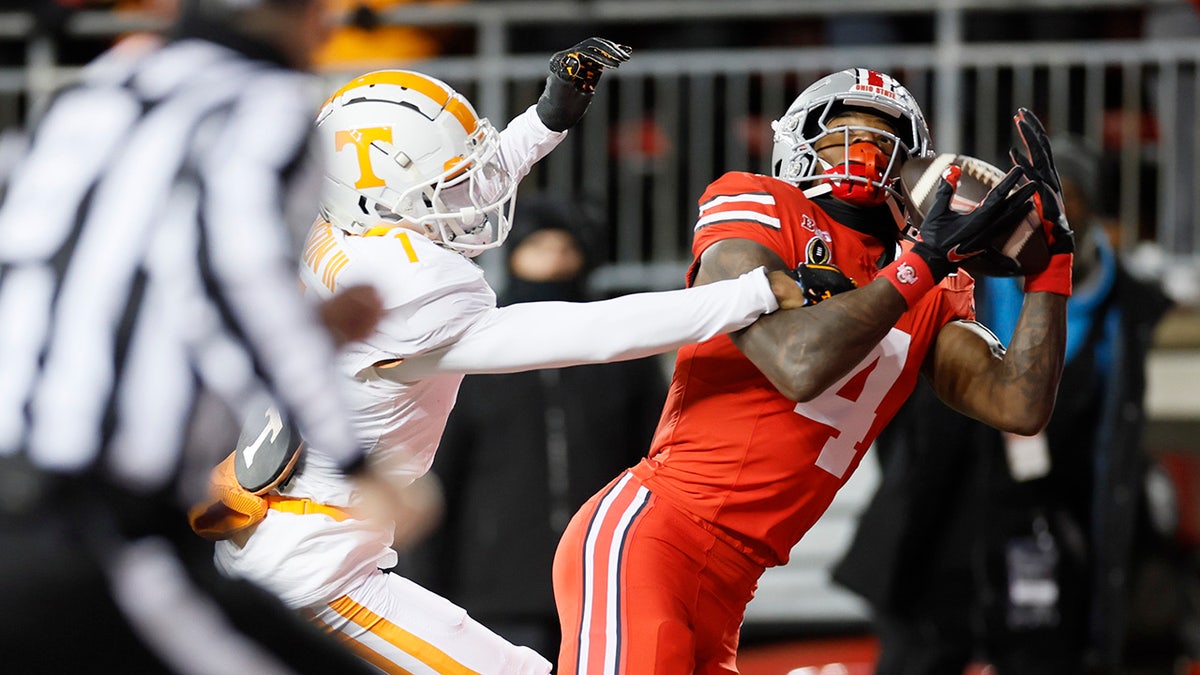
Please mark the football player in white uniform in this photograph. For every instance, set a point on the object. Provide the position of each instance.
(417, 185)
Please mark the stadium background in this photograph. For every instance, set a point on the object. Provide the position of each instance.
(697, 99)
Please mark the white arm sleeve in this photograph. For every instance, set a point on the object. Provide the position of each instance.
(534, 335)
(525, 141)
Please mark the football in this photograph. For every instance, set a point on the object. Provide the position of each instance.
(1024, 244)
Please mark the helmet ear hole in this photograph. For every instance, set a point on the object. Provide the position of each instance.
(385, 214)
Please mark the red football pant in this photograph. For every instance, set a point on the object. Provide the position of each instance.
(644, 589)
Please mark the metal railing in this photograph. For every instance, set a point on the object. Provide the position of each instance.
(671, 120)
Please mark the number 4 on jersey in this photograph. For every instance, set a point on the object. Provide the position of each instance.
(851, 405)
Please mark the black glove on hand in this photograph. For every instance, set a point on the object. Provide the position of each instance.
(948, 238)
(1038, 164)
(572, 81)
(821, 282)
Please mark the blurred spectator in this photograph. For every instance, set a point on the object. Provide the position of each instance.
(1020, 551)
(523, 451)
(366, 40)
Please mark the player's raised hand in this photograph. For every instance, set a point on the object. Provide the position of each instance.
(572, 81)
(1037, 161)
(583, 64)
(948, 238)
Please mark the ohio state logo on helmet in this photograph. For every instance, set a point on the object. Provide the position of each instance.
(877, 82)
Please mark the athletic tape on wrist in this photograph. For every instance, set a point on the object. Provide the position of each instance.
(1056, 278)
(911, 276)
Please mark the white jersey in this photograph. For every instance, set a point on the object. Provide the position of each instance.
(442, 320)
(431, 295)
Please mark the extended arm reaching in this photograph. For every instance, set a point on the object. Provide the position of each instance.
(536, 335)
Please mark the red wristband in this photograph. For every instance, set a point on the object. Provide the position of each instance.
(1056, 278)
(911, 276)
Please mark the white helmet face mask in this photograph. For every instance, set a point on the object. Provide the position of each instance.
(861, 179)
(406, 150)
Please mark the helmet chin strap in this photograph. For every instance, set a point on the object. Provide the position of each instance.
(907, 229)
(866, 162)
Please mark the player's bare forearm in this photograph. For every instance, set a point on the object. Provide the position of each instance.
(1033, 363)
(1011, 390)
(804, 351)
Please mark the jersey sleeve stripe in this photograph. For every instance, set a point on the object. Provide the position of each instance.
(752, 197)
(737, 217)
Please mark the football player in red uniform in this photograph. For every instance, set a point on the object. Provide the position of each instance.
(763, 426)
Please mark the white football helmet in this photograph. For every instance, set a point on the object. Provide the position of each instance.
(861, 181)
(406, 149)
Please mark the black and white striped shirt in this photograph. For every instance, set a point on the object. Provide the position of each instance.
(146, 253)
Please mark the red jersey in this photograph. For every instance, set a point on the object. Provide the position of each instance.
(733, 451)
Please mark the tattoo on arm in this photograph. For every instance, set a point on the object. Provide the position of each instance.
(1015, 389)
(731, 258)
(803, 351)
(1034, 361)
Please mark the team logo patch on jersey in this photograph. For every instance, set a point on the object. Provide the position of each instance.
(809, 224)
(817, 252)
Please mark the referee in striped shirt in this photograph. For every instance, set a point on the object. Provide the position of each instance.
(146, 267)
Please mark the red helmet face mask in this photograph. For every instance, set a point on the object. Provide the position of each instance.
(866, 162)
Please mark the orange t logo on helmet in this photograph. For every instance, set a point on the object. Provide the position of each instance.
(362, 140)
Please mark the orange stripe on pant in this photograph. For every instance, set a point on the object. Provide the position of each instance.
(643, 588)
(403, 640)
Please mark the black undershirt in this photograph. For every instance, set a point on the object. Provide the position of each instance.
(874, 221)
